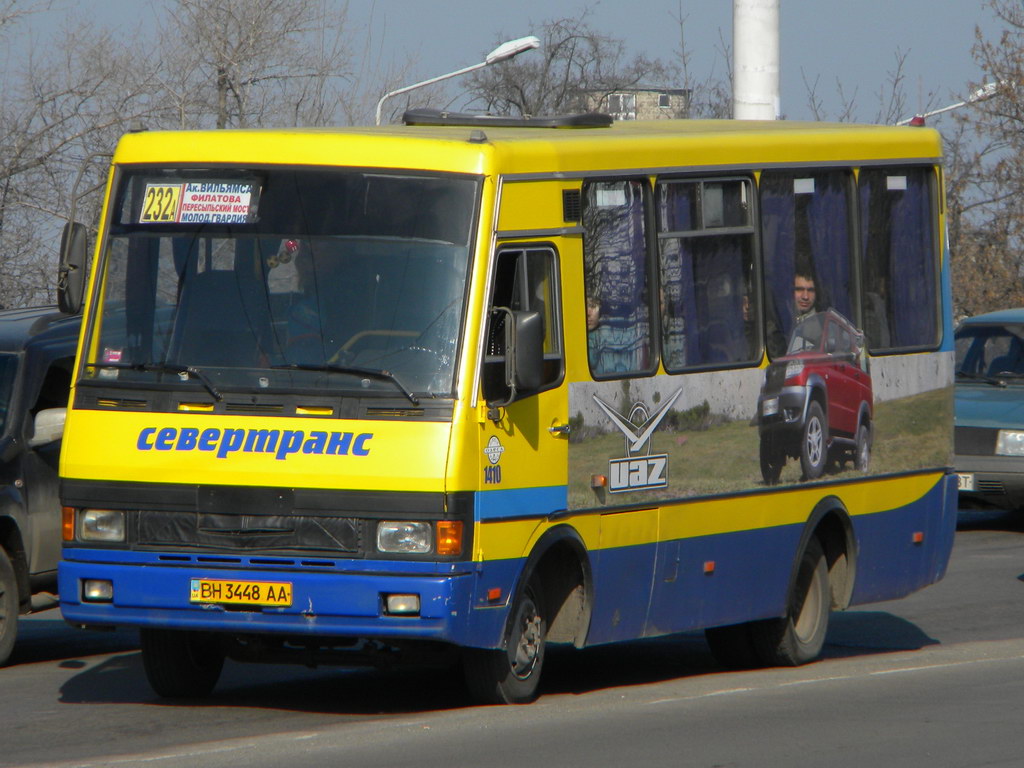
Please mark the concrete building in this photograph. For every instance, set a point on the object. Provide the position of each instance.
(642, 103)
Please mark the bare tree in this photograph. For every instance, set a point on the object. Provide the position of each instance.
(66, 102)
(573, 69)
(890, 100)
(60, 107)
(709, 96)
(985, 174)
(241, 63)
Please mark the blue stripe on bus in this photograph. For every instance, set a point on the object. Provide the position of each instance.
(521, 502)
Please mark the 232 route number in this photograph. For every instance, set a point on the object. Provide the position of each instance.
(160, 203)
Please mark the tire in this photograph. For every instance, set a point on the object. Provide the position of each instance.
(799, 636)
(862, 453)
(180, 664)
(733, 646)
(814, 443)
(9, 607)
(511, 675)
(773, 459)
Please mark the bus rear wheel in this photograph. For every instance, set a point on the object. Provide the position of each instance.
(181, 665)
(511, 675)
(799, 636)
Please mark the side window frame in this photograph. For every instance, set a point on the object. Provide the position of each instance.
(514, 287)
(747, 330)
(645, 344)
(886, 340)
(801, 258)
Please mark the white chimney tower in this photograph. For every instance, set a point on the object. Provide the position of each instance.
(755, 43)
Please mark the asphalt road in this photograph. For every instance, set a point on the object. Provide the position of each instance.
(935, 679)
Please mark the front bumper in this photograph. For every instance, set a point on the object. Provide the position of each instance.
(996, 481)
(785, 410)
(342, 599)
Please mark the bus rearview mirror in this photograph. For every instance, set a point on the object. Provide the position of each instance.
(71, 270)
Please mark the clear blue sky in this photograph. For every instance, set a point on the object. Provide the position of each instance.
(849, 41)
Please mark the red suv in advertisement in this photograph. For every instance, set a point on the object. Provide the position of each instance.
(816, 402)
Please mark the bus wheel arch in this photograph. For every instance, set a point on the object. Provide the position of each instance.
(821, 580)
(560, 566)
(551, 603)
(798, 636)
(830, 523)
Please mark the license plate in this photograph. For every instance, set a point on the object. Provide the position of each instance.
(231, 592)
(965, 481)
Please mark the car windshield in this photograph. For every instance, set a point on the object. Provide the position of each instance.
(807, 334)
(990, 351)
(8, 367)
(284, 279)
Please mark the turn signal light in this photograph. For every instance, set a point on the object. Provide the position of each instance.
(67, 523)
(449, 537)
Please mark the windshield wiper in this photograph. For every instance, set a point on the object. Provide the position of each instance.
(189, 371)
(352, 369)
(996, 381)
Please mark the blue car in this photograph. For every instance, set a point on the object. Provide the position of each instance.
(989, 440)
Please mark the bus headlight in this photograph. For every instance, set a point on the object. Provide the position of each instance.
(1010, 443)
(101, 525)
(399, 536)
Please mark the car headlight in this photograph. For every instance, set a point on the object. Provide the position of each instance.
(399, 536)
(794, 368)
(1010, 443)
(101, 525)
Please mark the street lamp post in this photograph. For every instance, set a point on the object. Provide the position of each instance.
(503, 52)
(987, 91)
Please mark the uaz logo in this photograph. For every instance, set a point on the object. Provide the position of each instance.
(638, 470)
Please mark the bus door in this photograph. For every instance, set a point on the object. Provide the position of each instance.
(525, 436)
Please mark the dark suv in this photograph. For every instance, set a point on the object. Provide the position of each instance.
(816, 403)
(37, 352)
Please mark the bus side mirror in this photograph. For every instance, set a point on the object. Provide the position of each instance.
(71, 270)
(524, 364)
(523, 354)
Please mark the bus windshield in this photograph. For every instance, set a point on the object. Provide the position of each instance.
(280, 279)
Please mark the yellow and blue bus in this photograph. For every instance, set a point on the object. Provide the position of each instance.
(487, 384)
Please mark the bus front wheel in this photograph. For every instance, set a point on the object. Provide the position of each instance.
(511, 675)
(181, 665)
(799, 636)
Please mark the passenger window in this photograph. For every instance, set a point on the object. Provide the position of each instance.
(617, 279)
(806, 240)
(709, 309)
(900, 298)
(525, 280)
